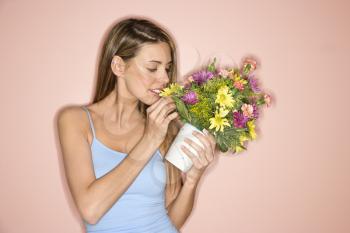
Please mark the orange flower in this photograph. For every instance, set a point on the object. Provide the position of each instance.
(249, 61)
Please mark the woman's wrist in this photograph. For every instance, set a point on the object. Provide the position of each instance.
(150, 141)
(193, 178)
(191, 183)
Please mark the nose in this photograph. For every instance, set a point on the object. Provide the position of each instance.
(164, 77)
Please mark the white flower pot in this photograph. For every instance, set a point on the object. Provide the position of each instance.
(176, 155)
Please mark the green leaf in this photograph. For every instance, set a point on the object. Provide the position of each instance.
(224, 142)
(247, 68)
(181, 107)
(211, 66)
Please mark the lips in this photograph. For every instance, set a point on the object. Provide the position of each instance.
(155, 91)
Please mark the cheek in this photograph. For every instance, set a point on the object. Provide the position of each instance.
(140, 81)
(143, 76)
(139, 86)
(146, 81)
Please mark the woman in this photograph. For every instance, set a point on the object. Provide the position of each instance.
(114, 148)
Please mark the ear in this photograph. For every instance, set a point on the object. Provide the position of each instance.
(118, 66)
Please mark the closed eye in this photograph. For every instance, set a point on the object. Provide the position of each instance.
(154, 70)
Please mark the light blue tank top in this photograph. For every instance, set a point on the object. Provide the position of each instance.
(141, 209)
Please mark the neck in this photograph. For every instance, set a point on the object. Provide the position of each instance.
(121, 108)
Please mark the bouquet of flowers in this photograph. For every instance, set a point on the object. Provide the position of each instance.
(224, 101)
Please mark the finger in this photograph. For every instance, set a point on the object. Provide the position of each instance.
(192, 156)
(212, 140)
(210, 146)
(211, 137)
(204, 139)
(170, 117)
(162, 102)
(156, 112)
(168, 101)
(164, 112)
(154, 105)
(200, 150)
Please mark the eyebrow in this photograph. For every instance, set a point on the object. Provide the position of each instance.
(159, 62)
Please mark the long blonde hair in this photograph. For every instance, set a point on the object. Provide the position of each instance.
(124, 39)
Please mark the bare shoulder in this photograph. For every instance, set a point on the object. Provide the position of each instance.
(73, 117)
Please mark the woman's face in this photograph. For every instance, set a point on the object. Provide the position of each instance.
(149, 69)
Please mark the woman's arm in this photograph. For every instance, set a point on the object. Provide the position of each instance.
(181, 208)
(94, 197)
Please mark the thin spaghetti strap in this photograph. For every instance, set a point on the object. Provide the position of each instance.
(90, 120)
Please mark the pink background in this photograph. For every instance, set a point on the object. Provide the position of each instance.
(294, 178)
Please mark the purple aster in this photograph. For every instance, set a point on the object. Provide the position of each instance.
(202, 76)
(239, 120)
(190, 97)
(255, 111)
(253, 84)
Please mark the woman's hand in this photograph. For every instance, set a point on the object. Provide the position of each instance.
(159, 115)
(205, 156)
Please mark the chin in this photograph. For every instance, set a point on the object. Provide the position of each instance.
(150, 99)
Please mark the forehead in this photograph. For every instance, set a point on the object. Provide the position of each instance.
(155, 51)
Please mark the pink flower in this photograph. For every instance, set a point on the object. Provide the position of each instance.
(239, 85)
(202, 76)
(223, 72)
(247, 110)
(190, 98)
(267, 99)
(239, 120)
(187, 82)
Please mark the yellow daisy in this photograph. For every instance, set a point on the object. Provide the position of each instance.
(218, 120)
(224, 97)
(239, 148)
(243, 138)
(173, 88)
(251, 128)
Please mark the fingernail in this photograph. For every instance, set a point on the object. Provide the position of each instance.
(205, 131)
